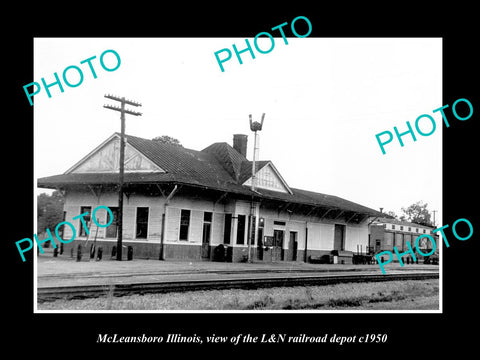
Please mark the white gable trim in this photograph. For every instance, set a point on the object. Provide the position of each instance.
(276, 173)
(105, 143)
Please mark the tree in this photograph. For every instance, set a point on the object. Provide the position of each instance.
(392, 214)
(418, 213)
(49, 211)
(167, 140)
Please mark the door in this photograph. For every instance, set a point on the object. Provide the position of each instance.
(260, 244)
(292, 246)
(277, 249)
(406, 238)
(142, 223)
(207, 228)
(206, 240)
(399, 241)
(338, 241)
(388, 241)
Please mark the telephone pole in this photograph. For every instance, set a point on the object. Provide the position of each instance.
(122, 111)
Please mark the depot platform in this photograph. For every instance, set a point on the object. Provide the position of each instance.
(66, 271)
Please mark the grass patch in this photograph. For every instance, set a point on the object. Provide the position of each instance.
(345, 302)
(398, 295)
(342, 302)
(264, 303)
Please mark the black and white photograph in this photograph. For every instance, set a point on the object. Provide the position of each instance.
(208, 152)
(264, 181)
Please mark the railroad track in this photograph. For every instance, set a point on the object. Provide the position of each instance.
(89, 291)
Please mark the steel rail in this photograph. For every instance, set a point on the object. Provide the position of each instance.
(90, 291)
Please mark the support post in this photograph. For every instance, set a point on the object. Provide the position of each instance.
(164, 218)
(255, 127)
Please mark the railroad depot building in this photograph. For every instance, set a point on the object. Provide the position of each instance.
(385, 233)
(182, 204)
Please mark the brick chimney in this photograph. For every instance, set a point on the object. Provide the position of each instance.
(240, 143)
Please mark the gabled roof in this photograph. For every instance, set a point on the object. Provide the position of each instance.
(387, 220)
(105, 158)
(217, 167)
(230, 159)
(276, 181)
(183, 163)
(246, 170)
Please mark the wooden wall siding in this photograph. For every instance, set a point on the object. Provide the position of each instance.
(129, 222)
(320, 231)
(182, 202)
(172, 224)
(155, 222)
(218, 221)
(320, 236)
(196, 226)
(356, 235)
(71, 211)
(267, 179)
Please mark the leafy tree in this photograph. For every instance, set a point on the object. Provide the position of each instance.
(49, 211)
(418, 213)
(392, 214)
(167, 140)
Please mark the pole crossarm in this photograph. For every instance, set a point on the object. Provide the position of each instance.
(126, 111)
(122, 99)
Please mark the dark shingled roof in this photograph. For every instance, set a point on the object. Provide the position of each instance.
(228, 157)
(217, 167)
(183, 164)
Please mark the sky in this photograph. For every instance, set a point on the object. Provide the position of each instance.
(324, 101)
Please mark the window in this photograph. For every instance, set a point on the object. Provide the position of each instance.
(416, 230)
(142, 222)
(278, 236)
(281, 223)
(393, 227)
(184, 224)
(112, 229)
(241, 229)
(251, 226)
(207, 217)
(86, 219)
(227, 228)
(401, 227)
(424, 231)
(409, 228)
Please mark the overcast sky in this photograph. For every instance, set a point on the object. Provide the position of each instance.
(325, 99)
